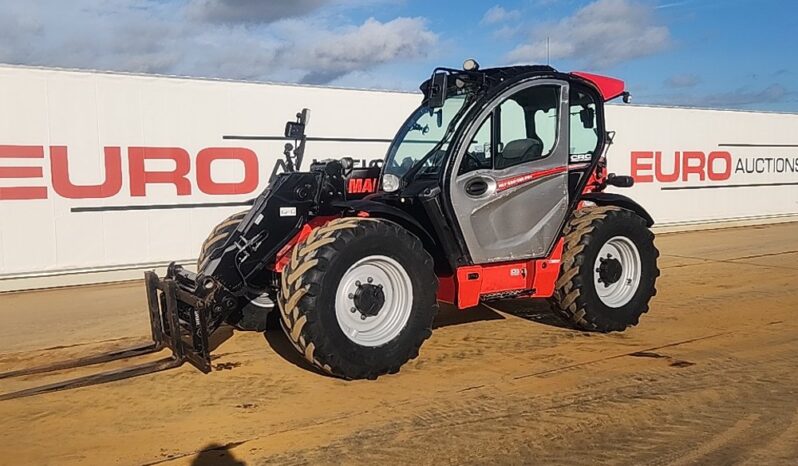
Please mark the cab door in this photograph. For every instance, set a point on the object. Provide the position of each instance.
(509, 183)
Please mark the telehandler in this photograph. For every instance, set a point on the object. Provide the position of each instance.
(493, 188)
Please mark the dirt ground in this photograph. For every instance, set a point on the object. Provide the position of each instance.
(710, 376)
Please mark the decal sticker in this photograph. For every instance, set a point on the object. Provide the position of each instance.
(287, 211)
(362, 185)
(518, 180)
(581, 157)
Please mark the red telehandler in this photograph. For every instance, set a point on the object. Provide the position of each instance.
(493, 188)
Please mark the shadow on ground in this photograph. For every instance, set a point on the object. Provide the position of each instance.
(217, 455)
(534, 310)
(449, 315)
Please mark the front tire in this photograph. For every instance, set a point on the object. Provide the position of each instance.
(358, 297)
(609, 269)
(253, 313)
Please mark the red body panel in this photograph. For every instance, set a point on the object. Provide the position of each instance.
(284, 255)
(610, 88)
(533, 278)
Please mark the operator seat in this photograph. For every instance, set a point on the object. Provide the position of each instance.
(518, 152)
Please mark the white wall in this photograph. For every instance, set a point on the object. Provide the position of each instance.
(88, 112)
(679, 133)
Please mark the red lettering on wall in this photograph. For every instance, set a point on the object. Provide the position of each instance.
(205, 182)
(659, 172)
(698, 166)
(140, 177)
(22, 192)
(713, 172)
(639, 167)
(59, 168)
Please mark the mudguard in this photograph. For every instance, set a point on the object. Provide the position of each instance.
(389, 212)
(619, 200)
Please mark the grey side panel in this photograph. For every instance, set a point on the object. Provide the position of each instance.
(523, 221)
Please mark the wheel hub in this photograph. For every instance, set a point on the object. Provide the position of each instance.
(374, 300)
(369, 299)
(617, 271)
(610, 270)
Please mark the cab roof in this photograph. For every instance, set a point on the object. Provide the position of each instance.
(609, 88)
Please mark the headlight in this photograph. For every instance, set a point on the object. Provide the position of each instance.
(390, 183)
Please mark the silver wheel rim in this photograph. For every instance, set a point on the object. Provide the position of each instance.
(619, 293)
(395, 312)
(260, 300)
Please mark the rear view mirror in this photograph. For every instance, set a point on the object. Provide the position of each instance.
(588, 117)
(436, 93)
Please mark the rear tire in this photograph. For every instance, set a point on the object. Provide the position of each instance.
(252, 315)
(609, 269)
(374, 267)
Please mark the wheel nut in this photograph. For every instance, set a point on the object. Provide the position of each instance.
(370, 280)
(353, 310)
(351, 296)
(362, 316)
(357, 283)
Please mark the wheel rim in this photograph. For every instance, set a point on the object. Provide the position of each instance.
(260, 300)
(360, 326)
(616, 271)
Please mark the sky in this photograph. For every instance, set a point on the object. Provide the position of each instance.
(740, 54)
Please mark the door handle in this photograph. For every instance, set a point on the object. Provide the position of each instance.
(476, 187)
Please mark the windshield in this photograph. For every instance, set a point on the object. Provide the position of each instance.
(425, 138)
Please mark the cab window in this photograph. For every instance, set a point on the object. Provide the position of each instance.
(584, 131)
(479, 154)
(528, 126)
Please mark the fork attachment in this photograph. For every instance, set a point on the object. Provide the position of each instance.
(178, 321)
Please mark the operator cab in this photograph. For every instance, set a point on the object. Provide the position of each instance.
(511, 148)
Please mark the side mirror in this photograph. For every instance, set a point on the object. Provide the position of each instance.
(588, 117)
(436, 94)
(620, 181)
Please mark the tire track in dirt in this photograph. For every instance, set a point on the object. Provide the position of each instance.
(489, 387)
(597, 407)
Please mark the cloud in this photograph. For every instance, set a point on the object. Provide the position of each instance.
(332, 54)
(497, 14)
(155, 36)
(682, 80)
(673, 5)
(251, 11)
(742, 97)
(599, 35)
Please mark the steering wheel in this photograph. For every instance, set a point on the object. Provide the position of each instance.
(473, 161)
